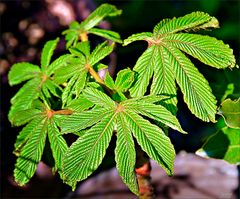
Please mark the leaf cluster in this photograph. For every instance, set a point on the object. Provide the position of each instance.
(68, 96)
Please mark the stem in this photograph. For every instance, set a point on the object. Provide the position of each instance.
(143, 170)
(83, 36)
(94, 74)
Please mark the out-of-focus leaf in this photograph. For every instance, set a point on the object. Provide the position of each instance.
(230, 111)
(225, 144)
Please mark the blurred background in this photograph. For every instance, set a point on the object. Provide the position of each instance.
(25, 27)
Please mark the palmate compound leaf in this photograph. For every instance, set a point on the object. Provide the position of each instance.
(75, 72)
(75, 30)
(172, 64)
(30, 144)
(86, 151)
(39, 82)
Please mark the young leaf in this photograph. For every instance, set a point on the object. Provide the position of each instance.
(23, 71)
(124, 80)
(101, 51)
(31, 154)
(152, 140)
(172, 64)
(109, 81)
(58, 63)
(98, 15)
(47, 53)
(86, 154)
(108, 34)
(230, 111)
(125, 148)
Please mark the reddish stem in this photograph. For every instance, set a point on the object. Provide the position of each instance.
(143, 170)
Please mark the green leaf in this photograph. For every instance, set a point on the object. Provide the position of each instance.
(152, 140)
(101, 51)
(192, 21)
(47, 53)
(225, 144)
(137, 37)
(79, 121)
(58, 63)
(230, 111)
(144, 69)
(80, 83)
(57, 143)
(164, 81)
(207, 49)
(108, 34)
(53, 88)
(86, 154)
(81, 49)
(125, 148)
(23, 71)
(98, 15)
(68, 91)
(24, 116)
(63, 74)
(99, 98)
(23, 99)
(80, 104)
(109, 81)
(197, 93)
(156, 112)
(25, 134)
(31, 154)
(99, 66)
(124, 80)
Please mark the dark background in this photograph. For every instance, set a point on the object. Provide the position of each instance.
(27, 25)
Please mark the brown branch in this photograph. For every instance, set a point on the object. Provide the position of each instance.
(143, 170)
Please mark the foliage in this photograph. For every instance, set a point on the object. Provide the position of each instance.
(68, 96)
